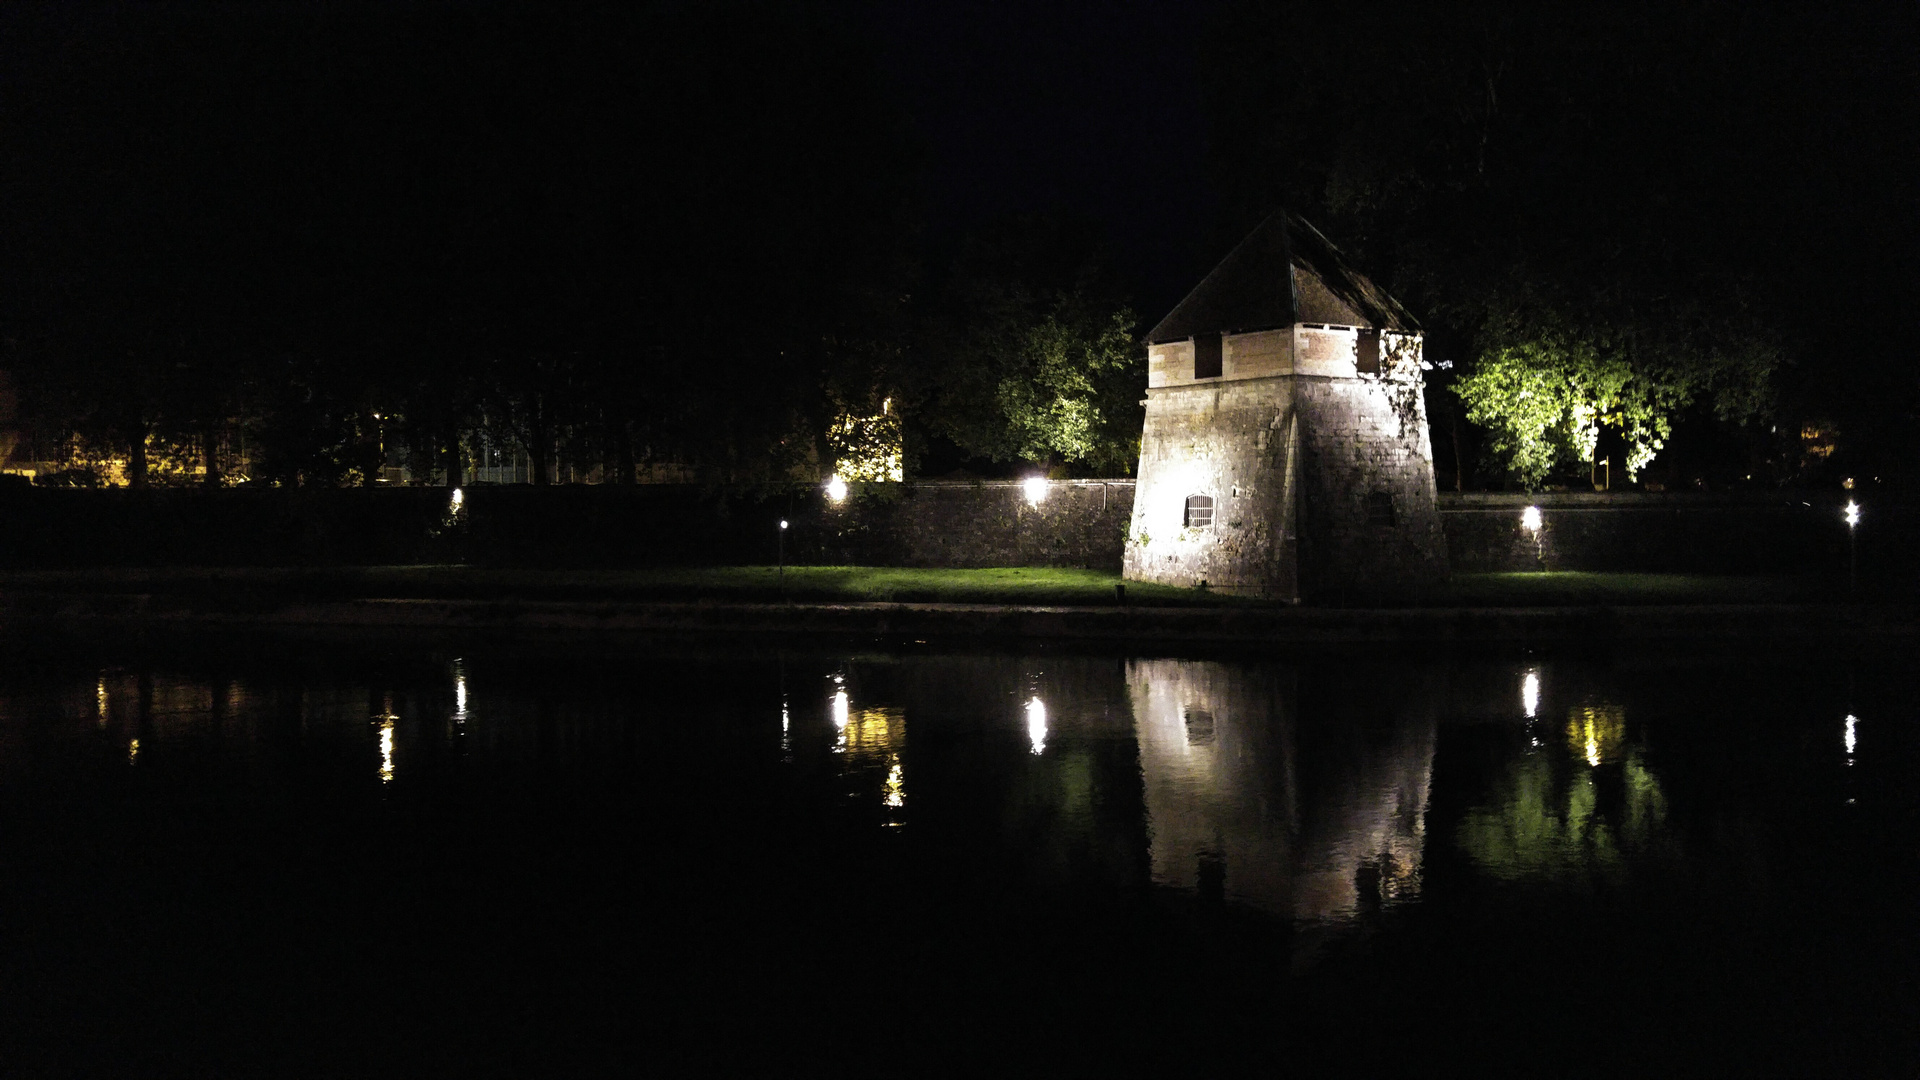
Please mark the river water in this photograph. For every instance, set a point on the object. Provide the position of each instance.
(283, 855)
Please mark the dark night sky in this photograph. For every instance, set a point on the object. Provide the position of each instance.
(1093, 108)
(209, 124)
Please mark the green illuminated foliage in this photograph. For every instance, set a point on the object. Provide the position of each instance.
(1031, 354)
(1056, 402)
(1543, 388)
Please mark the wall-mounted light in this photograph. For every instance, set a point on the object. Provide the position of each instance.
(458, 497)
(1036, 489)
(836, 488)
(1530, 519)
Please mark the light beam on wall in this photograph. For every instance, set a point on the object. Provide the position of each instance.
(1036, 489)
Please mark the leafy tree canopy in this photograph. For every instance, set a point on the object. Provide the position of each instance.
(1029, 352)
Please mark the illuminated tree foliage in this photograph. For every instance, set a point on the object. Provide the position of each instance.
(1544, 390)
(1029, 352)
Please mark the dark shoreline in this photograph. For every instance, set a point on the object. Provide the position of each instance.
(1132, 626)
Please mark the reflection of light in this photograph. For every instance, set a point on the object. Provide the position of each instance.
(1530, 693)
(1851, 741)
(896, 789)
(1596, 731)
(836, 488)
(840, 720)
(133, 752)
(1530, 518)
(101, 694)
(386, 718)
(459, 692)
(1853, 513)
(1037, 724)
(1036, 489)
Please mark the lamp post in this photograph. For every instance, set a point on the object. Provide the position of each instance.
(783, 556)
(1853, 562)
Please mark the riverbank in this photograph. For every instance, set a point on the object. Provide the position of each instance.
(264, 587)
(927, 622)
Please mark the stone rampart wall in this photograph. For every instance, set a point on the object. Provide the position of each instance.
(1079, 523)
(1715, 533)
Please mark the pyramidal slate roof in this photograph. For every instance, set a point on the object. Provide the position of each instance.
(1283, 273)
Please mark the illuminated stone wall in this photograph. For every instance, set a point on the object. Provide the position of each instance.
(1776, 532)
(1291, 443)
(1076, 523)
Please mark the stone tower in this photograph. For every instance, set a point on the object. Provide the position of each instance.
(1285, 451)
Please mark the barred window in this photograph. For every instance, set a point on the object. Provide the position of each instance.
(1199, 511)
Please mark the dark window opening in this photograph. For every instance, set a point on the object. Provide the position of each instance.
(1206, 356)
(1199, 727)
(1366, 354)
(1380, 508)
(1199, 511)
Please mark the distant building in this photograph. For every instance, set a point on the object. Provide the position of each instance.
(1285, 450)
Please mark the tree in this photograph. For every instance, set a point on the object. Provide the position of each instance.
(1030, 352)
(1547, 388)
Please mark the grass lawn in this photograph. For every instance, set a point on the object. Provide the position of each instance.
(1011, 585)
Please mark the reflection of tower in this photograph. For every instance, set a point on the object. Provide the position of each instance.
(1235, 810)
(1214, 754)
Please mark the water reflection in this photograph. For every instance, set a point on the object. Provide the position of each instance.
(1589, 818)
(385, 719)
(1037, 724)
(1596, 731)
(1304, 790)
(1231, 812)
(871, 740)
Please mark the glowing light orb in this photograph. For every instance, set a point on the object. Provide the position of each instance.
(1530, 518)
(836, 488)
(1853, 513)
(459, 496)
(1036, 489)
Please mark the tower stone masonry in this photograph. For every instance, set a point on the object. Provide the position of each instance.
(1285, 451)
